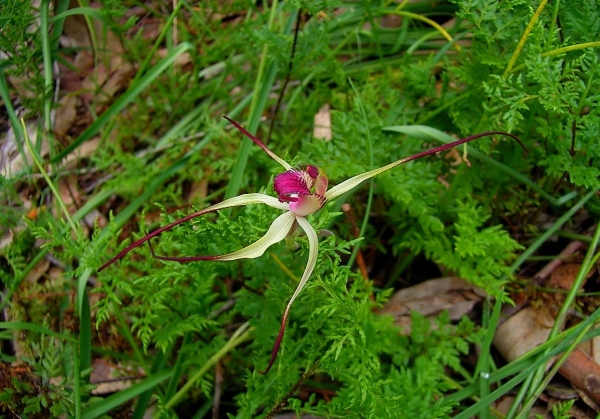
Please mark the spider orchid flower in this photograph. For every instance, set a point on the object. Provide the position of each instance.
(301, 191)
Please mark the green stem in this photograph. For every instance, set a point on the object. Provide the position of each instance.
(259, 98)
(563, 50)
(365, 220)
(47, 60)
(521, 43)
(555, 227)
(37, 160)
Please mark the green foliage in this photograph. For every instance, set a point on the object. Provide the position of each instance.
(562, 410)
(548, 94)
(339, 356)
(16, 258)
(21, 47)
(478, 254)
(41, 385)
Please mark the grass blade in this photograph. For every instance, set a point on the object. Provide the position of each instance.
(123, 396)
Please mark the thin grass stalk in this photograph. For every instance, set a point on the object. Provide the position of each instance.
(521, 44)
(85, 343)
(123, 396)
(519, 398)
(527, 389)
(261, 90)
(238, 337)
(126, 333)
(159, 41)
(483, 365)
(36, 328)
(125, 99)
(47, 67)
(37, 160)
(563, 50)
(365, 221)
(160, 361)
(552, 230)
(76, 381)
(586, 266)
(527, 364)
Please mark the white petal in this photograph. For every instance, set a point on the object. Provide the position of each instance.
(313, 248)
(280, 228)
(247, 199)
(252, 198)
(353, 182)
(419, 131)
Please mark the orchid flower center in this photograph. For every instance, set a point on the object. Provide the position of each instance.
(304, 188)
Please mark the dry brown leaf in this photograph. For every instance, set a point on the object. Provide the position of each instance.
(522, 332)
(100, 76)
(560, 391)
(180, 61)
(108, 378)
(432, 297)
(83, 151)
(563, 276)
(36, 273)
(64, 116)
(96, 217)
(391, 21)
(572, 248)
(322, 124)
(504, 404)
(69, 193)
(198, 191)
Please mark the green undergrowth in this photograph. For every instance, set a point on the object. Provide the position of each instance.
(399, 78)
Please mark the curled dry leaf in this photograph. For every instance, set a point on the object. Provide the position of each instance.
(432, 297)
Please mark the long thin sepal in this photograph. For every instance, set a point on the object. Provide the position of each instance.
(246, 199)
(279, 229)
(313, 249)
(260, 144)
(353, 182)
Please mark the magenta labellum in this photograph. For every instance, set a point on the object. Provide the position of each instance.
(303, 188)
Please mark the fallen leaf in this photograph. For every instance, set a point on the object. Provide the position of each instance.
(64, 116)
(563, 276)
(429, 298)
(322, 124)
(522, 332)
(109, 378)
